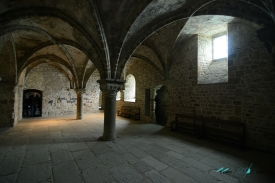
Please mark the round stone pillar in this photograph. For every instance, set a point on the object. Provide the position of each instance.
(109, 90)
(79, 107)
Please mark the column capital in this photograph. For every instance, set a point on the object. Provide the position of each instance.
(80, 90)
(110, 84)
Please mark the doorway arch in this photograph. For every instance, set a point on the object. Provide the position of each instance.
(26, 108)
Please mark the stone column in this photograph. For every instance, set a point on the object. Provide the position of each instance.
(20, 100)
(109, 88)
(15, 113)
(79, 109)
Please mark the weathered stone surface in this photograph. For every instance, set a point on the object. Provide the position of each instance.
(11, 162)
(66, 172)
(176, 176)
(129, 158)
(8, 178)
(40, 172)
(199, 160)
(154, 163)
(175, 155)
(100, 148)
(85, 159)
(56, 88)
(110, 159)
(98, 173)
(78, 146)
(61, 156)
(124, 173)
(159, 147)
(156, 177)
(142, 167)
(173, 162)
(138, 153)
(36, 156)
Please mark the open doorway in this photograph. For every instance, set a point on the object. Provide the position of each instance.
(160, 105)
(27, 109)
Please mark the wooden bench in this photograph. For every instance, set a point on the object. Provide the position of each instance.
(229, 131)
(129, 112)
(188, 123)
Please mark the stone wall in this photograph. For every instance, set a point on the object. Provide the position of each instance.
(146, 78)
(58, 98)
(91, 97)
(248, 96)
(7, 83)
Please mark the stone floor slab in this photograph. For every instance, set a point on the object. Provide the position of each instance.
(156, 177)
(126, 174)
(61, 156)
(35, 173)
(176, 176)
(66, 172)
(98, 173)
(85, 159)
(110, 159)
(36, 156)
(145, 152)
(8, 178)
(157, 165)
(11, 163)
(137, 152)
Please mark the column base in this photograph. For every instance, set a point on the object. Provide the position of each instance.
(109, 137)
(78, 117)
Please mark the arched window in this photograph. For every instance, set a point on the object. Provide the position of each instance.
(130, 89)
(118, 95)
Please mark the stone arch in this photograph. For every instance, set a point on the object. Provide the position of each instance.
(59, 98)
(94, 55)
(130, 88)
(153, 64)
(53, 60)
(8, 63)
(199, 8)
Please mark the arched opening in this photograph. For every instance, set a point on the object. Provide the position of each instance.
(32, 105)
(118, 95)
(161, 100)
(154, 105)
(130, 89)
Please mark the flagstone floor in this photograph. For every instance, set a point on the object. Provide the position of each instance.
(64, 150)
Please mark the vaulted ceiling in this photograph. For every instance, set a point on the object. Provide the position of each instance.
(79, 36)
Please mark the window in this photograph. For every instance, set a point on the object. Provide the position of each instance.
(130, 89)
(212, 58)
(220, 47)
(118, 95)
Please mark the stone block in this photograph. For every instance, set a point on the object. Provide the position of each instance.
(157, 165)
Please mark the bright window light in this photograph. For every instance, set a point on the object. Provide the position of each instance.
(220, 47)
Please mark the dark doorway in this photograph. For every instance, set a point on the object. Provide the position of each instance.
(161, 105)
(27, 105)
(147, 102)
